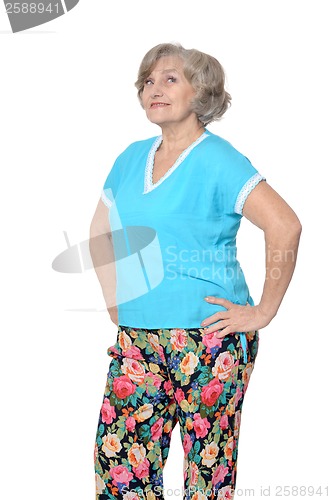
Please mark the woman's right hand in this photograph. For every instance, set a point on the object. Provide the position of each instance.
(113, 312)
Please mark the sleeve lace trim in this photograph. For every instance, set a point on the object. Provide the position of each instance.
(246, 190)
(106, 200)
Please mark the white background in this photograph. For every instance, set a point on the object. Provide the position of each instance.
(68, 108)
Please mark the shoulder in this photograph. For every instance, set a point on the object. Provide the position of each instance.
(227, 166)
(129, 157)
(221, 149)
(138, 147)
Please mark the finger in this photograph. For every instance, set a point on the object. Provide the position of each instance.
(221, 301)
(220, 315)
(214, 328)
(225, 331)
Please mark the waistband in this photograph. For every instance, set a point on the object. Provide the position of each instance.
(243, 338)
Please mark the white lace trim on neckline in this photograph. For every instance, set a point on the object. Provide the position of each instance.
(148, 184)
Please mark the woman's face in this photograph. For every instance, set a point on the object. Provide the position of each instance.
(167, 94)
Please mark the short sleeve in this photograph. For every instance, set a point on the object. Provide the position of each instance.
(240, 178)
(246, 190)
(111, 184)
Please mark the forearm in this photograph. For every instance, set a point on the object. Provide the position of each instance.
(102, 255)
(281, 248)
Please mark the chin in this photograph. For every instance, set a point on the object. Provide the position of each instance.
(155, 121)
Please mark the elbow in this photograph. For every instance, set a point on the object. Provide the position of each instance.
(291, 239)
(295, 228)
(287, 231)
(299, 229)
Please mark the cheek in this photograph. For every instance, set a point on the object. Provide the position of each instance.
(191, 96)
(144, 99)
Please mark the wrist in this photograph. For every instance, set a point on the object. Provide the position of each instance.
(267, 312)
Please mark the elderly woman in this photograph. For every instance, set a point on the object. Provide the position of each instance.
(163, 243)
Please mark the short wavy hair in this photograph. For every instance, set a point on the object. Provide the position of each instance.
(203, 72)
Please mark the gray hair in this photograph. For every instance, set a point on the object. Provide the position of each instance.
(203, 72)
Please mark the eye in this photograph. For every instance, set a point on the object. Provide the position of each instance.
(172, 79)
(148, 81)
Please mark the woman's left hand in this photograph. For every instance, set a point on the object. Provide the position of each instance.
(237, 318)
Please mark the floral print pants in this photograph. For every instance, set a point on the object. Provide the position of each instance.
(160, 377)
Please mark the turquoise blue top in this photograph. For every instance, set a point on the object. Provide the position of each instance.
(175, 240)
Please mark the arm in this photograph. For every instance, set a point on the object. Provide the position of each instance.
(102, 255)
(282, 230)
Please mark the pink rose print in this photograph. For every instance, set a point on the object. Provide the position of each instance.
(107, 411)
(211, 392)
(201, 425)
(227, 492)
(112, 349)
(210, 340)
(168, 387)
(157, 428)
(179, 395)
(161, 354)
(187, 444)
(194, 474)
(130, 424)
(123, 386)
(143, 469)
(238, 396)
(224, 422)
(120, 474)
(133, 352)
(219, 474)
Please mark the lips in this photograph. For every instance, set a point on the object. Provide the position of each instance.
(158, 105)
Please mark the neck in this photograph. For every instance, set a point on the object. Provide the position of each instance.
(179, 138)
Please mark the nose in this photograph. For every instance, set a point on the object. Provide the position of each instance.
(157, 90)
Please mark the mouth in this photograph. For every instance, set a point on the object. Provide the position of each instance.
(158, 105)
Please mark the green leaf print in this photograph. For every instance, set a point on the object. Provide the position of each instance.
(197, 446)
(231, 348)
(152, 456)
(98, 468)
(120, 434)
(184, 405)
(216, 427)
(140, 342)
(193, 407)
(205, 376)
(145, 431)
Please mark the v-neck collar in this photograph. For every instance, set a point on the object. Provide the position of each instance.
(148, 184)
